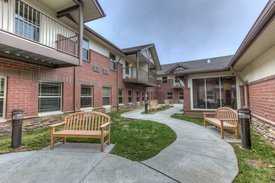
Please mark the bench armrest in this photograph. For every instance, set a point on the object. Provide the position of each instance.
(208, 113)
(105, 125)
(57, 124)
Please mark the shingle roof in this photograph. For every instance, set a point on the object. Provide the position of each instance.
(135, 49)
(198, 66)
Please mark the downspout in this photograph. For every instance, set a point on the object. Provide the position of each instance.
(118, 80)
(246, 94)
(80, 45)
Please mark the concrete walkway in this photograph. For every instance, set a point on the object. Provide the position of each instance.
(197, 155)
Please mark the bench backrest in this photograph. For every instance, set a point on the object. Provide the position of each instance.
(153, 104)
(227, 113)
(90, 121)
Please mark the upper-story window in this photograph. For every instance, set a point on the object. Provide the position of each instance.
(164, 79)
(85, 49)
(112, 61)
(27, 21)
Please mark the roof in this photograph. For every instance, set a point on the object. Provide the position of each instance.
(132, 50)
(198, 66)
(266, 16)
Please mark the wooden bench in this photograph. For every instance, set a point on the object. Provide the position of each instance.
(224, 118)
(153, 105)
(84, 125)
(168, 102)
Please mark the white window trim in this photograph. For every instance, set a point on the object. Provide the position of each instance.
(2, 118)
(110, 96)
(121, 96)
(92, 96)
(61, 101)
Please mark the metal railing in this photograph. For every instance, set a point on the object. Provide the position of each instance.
(25, 21)
(142, 76)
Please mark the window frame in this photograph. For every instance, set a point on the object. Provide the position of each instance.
(91, 96)
(112, 61)
(4, 97)
(164, 81)
(61, 96)
(130, 96)
(181, 95)
(86, 49)
(110, 96)
(121, 96)
(137, 96)
(167, 94)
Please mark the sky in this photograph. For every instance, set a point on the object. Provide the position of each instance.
(181, 30)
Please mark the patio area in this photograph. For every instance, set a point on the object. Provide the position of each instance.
(197, 155)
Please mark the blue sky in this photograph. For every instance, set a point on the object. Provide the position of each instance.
(181, 29)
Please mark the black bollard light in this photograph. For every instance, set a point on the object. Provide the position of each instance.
(245, 118)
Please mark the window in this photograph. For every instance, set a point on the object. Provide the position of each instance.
(164, 80)
(85, 49)
(181, 95)
(120, 96)
(129, 96)
(137, 95)
(106, 96)
(106, 71)
(212, 93)
(86, 98)
(49, 97)
(127, 70)
(2, 96)
(142, 96)
(112, 61)
(169, 95)
(27, 21)
(96, 68)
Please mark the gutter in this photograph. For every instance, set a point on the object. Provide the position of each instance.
(118, 80)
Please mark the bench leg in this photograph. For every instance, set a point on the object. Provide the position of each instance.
(109, 139)
(52, 141)
(64, 140)
(102, 144)
(237, 134)
(222, 133)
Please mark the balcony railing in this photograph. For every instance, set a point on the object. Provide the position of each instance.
(139, 75)
(23, 20)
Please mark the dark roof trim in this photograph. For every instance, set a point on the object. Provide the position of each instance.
(261, 23)
(174, 68)
(134, 50)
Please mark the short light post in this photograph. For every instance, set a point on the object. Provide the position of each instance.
(146, 104)
(245, 118)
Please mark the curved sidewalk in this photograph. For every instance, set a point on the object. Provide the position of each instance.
(197, 155)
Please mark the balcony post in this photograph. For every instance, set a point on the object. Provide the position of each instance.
(81, 27)
(137, 67)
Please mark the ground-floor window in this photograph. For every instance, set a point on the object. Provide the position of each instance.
(49, 97)
(130, 93)
(120, 96)
(106, 96)
(86, 97)
(169, 95)
(212, 93)
(2, 96)
(181, 95)
(137, 95)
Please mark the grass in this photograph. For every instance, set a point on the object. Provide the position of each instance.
(135, 139)
(162, 108)
(255, 166)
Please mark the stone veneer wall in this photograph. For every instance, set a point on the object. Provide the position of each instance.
(265, 129)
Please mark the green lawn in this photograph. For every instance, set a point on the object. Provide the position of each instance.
(162, 108)
(135, 139)
(256, 166)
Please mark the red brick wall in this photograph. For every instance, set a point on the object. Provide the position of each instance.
(262, 99)
(187, 99)
(164, 88)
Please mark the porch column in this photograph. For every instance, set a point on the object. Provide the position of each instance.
(187, 99)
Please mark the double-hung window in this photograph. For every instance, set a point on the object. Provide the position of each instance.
(142, 96)
(181, 95)
(86, 98)
(49, 97)
(169, 95)
(130, 93)
(106, 96)
(2, 96)
(137, 95)
(85, 50)
(112, 61)
(27, 21)
(164, 80)
(120, 96)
